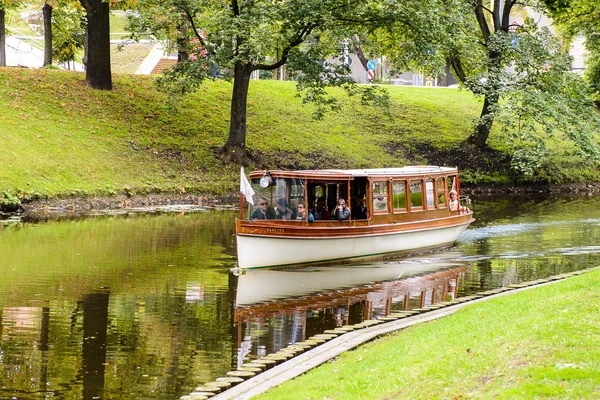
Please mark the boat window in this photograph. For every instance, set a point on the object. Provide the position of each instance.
(399, 195)
(286, 192)
(380, 197)
(416, 195)
(441, 193)
(429, 195)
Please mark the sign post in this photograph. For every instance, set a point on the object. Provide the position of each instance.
(371, 65)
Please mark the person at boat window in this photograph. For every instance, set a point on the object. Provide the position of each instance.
(320, 211)
(263, 211)
(455, 204)
(340, 212)
(301, 214)
(282, 211)
(360, 210)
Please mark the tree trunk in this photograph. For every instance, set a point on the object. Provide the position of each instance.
(2, 39)
(486, 120)
(183, 53)
(98, 74)
(360, 53)
(47, 12)
(235, 148)
(490, 102)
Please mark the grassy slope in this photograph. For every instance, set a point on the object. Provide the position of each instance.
(62, 138)
(541, 343)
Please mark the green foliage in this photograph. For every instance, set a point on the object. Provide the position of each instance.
(67, 31)
(581, 17)
(546, 103)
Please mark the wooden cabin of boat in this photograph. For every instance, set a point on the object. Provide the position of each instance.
(408, 210)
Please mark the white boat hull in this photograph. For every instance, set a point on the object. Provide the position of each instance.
(272, 251)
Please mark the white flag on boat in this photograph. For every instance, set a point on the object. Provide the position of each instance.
(246, 188)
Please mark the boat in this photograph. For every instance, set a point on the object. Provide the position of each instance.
(408, 211)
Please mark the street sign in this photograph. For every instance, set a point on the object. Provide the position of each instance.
(371, 65)
(370, 74)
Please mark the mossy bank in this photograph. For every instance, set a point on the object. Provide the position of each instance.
(61, 139)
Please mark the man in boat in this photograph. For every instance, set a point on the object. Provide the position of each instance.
(283, 212)
(320, 211)
(263, 211)
(360, 210)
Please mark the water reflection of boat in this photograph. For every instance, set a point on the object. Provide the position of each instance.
(256, 286)
(276, 308)
(408, 210)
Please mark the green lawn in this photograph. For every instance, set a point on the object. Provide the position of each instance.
(62, 138)
(539, 343)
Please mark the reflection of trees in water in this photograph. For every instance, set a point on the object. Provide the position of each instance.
(95, 323)
(117, 252)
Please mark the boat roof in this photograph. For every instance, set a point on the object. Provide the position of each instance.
(355, 173)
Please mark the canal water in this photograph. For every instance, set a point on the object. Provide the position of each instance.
(144, 306)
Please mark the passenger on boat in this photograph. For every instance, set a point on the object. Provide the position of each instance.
(340, 212)
(282, 211)
(301, 214)
(320, 211)
(360, 211)
(454, 203)
(263, 211)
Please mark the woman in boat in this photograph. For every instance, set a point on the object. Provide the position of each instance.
(301, 214)
(455, 204)
(340, 212)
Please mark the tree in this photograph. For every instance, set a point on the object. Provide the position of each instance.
(47, 12)
(493, 23)
(2, 35)
(4, 6)
(522, 74)
(234, 38)
(97, 50)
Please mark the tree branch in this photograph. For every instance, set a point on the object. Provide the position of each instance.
(485, 30)
(193, 24)
(496, 16)
(458, 68)
(299, 38)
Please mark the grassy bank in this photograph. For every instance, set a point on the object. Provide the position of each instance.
(60, 138)
(540, 343)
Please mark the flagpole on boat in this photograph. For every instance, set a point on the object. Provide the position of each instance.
(241, 205)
